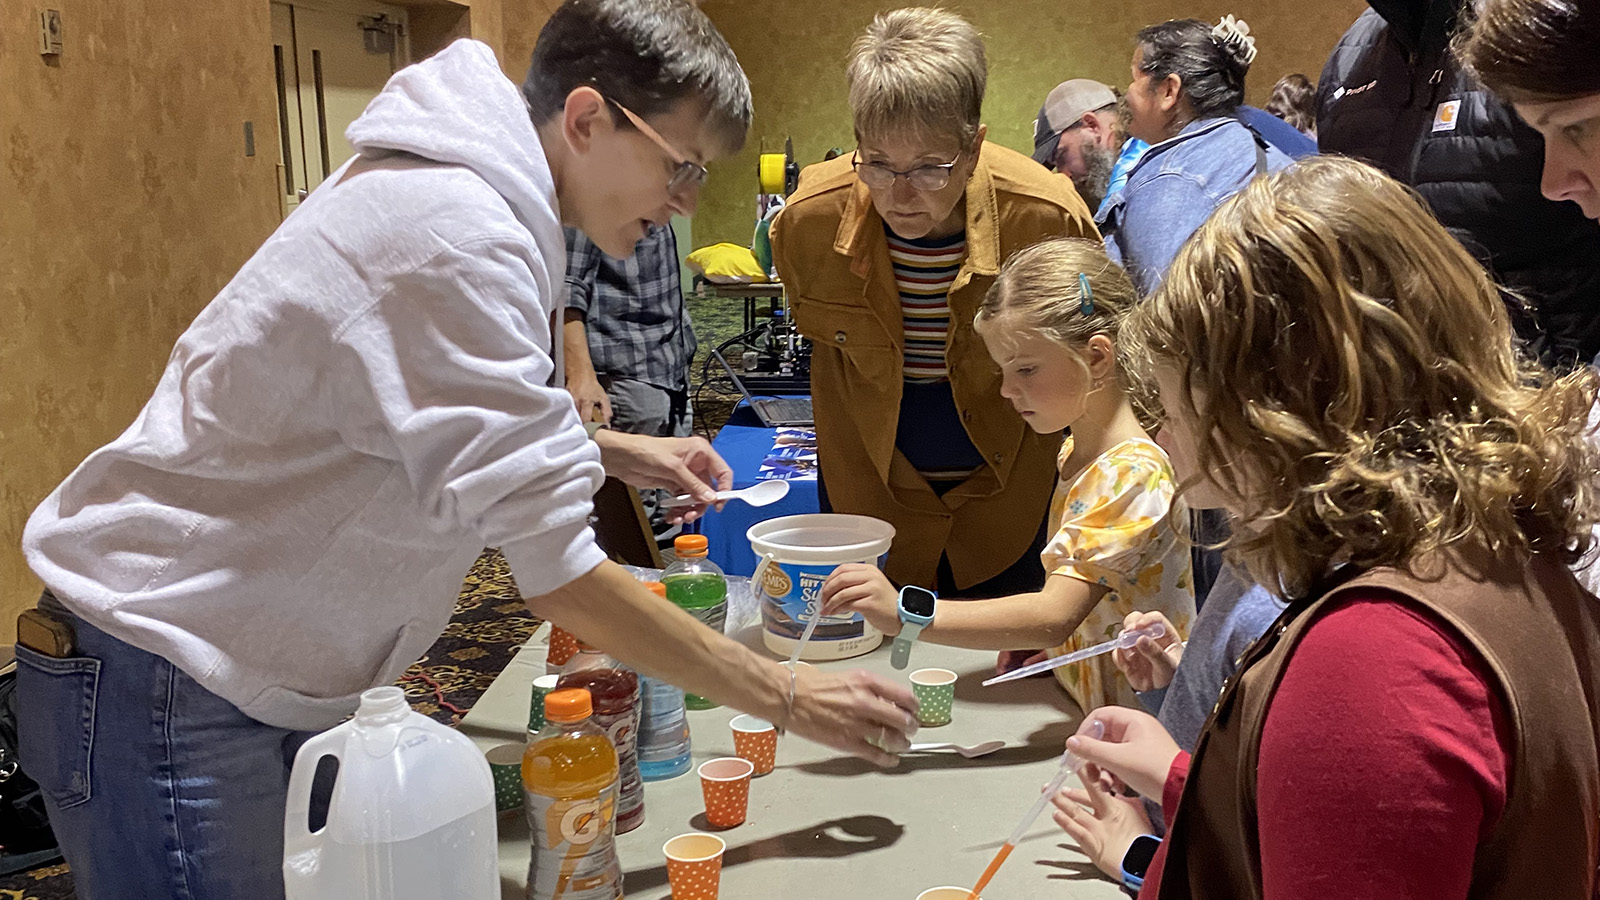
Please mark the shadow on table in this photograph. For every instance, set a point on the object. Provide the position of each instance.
(1080, 869)
(1015, 755)
(860, 834)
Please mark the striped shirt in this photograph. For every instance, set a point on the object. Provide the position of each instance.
(924, 270)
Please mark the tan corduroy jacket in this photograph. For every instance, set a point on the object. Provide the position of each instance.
(830, 250)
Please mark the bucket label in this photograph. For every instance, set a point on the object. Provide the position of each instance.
(791, 595)
(574, 853)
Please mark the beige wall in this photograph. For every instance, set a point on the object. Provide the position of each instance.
(795, 55)
(126, 202)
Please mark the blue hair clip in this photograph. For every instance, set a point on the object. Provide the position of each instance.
(1085, 295)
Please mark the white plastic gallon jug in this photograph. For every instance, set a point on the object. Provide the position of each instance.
(797, 554)
(412, 814)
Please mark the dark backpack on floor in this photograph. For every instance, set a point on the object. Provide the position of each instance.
(26, 840)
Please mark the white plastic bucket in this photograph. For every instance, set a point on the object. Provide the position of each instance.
(797, 554)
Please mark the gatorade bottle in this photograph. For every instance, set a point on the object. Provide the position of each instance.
(614, 693)
(697, 585)
(569, 781)
(663, 728)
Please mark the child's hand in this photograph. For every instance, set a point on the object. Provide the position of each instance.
(860, 588)
(1149, 664)
(1133, 749)
(1103, 826)
(1010, 660)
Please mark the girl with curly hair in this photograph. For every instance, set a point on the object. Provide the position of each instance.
(1338, 373)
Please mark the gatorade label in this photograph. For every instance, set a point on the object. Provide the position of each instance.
(715, 616)
(574, 847)
(791, 595)
(623, 730)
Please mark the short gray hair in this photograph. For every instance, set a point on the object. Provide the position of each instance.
(920, 70)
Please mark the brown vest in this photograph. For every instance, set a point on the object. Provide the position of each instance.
(1540, 633)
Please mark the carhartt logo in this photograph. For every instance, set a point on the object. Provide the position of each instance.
(1444, 118)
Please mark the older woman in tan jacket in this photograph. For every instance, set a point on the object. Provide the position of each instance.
(886, 254)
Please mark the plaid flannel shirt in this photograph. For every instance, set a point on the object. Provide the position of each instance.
(633, 309)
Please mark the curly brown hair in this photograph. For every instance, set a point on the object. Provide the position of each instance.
(1353, 379)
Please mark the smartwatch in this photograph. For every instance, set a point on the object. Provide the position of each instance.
(1137, 860)
(916, 611)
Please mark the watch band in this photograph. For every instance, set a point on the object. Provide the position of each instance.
(1132, 880)
(900, 654)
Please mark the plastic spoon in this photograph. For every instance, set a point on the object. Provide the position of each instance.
(1070, 763)
(762, 493)
(1121, 642)
(973, 752)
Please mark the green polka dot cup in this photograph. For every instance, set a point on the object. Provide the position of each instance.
(542, 686)
(936, 695)
(505, 761)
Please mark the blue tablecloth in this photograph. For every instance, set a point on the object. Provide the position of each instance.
(744, 442)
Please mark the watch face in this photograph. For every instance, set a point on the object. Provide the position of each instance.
(917, 601)
(1143, 850)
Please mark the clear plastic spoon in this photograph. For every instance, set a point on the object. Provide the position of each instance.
(762, 493)
(1121, 642)
(972, 752)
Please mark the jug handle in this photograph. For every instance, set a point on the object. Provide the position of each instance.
(297, 836)
(767, 559)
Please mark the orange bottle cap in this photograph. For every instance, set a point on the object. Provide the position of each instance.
(568, 705)
(657, 588)
(689, 545)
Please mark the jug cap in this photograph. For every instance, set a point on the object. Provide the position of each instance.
(568, 705)
(657, 588)
(689, 545)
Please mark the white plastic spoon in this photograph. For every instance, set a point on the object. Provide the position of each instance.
(762, 493)
(976, 750)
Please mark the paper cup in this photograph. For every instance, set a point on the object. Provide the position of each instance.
(694, 865)
(563, 646)
(936, 695)
(542, 686)
(505, 761)
(756, 740)
(939, 893)
(726, 784)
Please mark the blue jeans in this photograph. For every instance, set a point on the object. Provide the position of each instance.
(157, 787)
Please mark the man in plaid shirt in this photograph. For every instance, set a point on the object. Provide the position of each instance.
(628, 343)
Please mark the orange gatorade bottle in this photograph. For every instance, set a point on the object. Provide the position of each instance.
(569, 779)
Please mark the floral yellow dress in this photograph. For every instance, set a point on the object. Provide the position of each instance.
(1119, 524)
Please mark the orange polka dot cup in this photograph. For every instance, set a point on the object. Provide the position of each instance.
(938, 893)
(726, 785)
(563, 646)
(694, 866)
(756, 740)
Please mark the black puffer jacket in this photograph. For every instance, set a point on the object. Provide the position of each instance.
(1392, 94)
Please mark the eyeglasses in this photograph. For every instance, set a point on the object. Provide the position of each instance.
(878, 176)
(689, 175)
